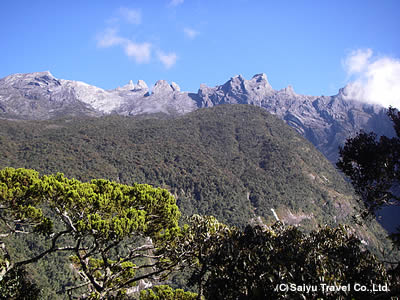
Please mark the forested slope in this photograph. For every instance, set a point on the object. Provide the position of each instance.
(236, 162)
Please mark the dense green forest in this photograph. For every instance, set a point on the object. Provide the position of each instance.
(119, 237)
(235, 162)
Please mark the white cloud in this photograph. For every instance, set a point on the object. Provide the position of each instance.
(190, 33)
(357, 60)
(168, 60)
(376, 79)
(175, 2)
(109, 38)
(140, 52)
(132, 16)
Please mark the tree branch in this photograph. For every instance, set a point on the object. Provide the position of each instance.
(53, 248)
(85, 268)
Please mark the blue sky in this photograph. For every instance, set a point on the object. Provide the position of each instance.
(315, 46)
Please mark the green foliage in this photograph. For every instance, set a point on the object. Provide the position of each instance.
(94, 218)
(233, 162)
(252, 263)
(17, 285)
(119, 235)
(199, 239)
(19, 198)
(373, 166)
(164, 292)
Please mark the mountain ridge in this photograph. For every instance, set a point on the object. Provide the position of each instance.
(326, 121)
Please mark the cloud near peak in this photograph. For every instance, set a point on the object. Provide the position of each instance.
(168, 60)
(140, 52)
(375, 80)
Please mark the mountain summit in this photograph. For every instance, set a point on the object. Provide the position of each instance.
(324, 120)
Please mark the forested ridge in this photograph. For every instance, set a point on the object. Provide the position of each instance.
(229, 161)
(234, 162)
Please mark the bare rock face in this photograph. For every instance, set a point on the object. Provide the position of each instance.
(141, 85)
(326, 121)
(236, 91)
(38, 96)
(165, 98)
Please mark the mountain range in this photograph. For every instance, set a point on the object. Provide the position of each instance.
(236, 162)
(326, 121)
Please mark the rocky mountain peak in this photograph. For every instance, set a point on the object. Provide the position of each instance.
(262, 77)
(288, 91)
(35, 74)
(44, 73)
(161, 87)
(237, 79)
(141, 85)
(175, 87)
(128, 87)
(34, 79)
(261, 80)
(234, 84)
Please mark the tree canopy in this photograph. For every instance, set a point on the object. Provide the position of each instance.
(119, 235)
(276, 262)
(113, 231)
(373, 166)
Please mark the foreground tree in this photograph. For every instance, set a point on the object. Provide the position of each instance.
(200, 239)
(114, 232)
(164, 292)
(16, 284)
(118, 235)
(268, 262)
(373, 166)
(281, 262)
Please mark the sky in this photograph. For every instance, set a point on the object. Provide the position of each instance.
(316, 46)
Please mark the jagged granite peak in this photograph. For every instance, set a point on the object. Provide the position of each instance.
(141, 85)
(40, 95)
(259, 82)
(175, 87)
(30, 75)
(261, 78)
(234, 84)
(326, 121)
(34, 79)
(237, 79)
(288, 90)
(165, 98)
(130, 85)
(236, 90)
(162, 87)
